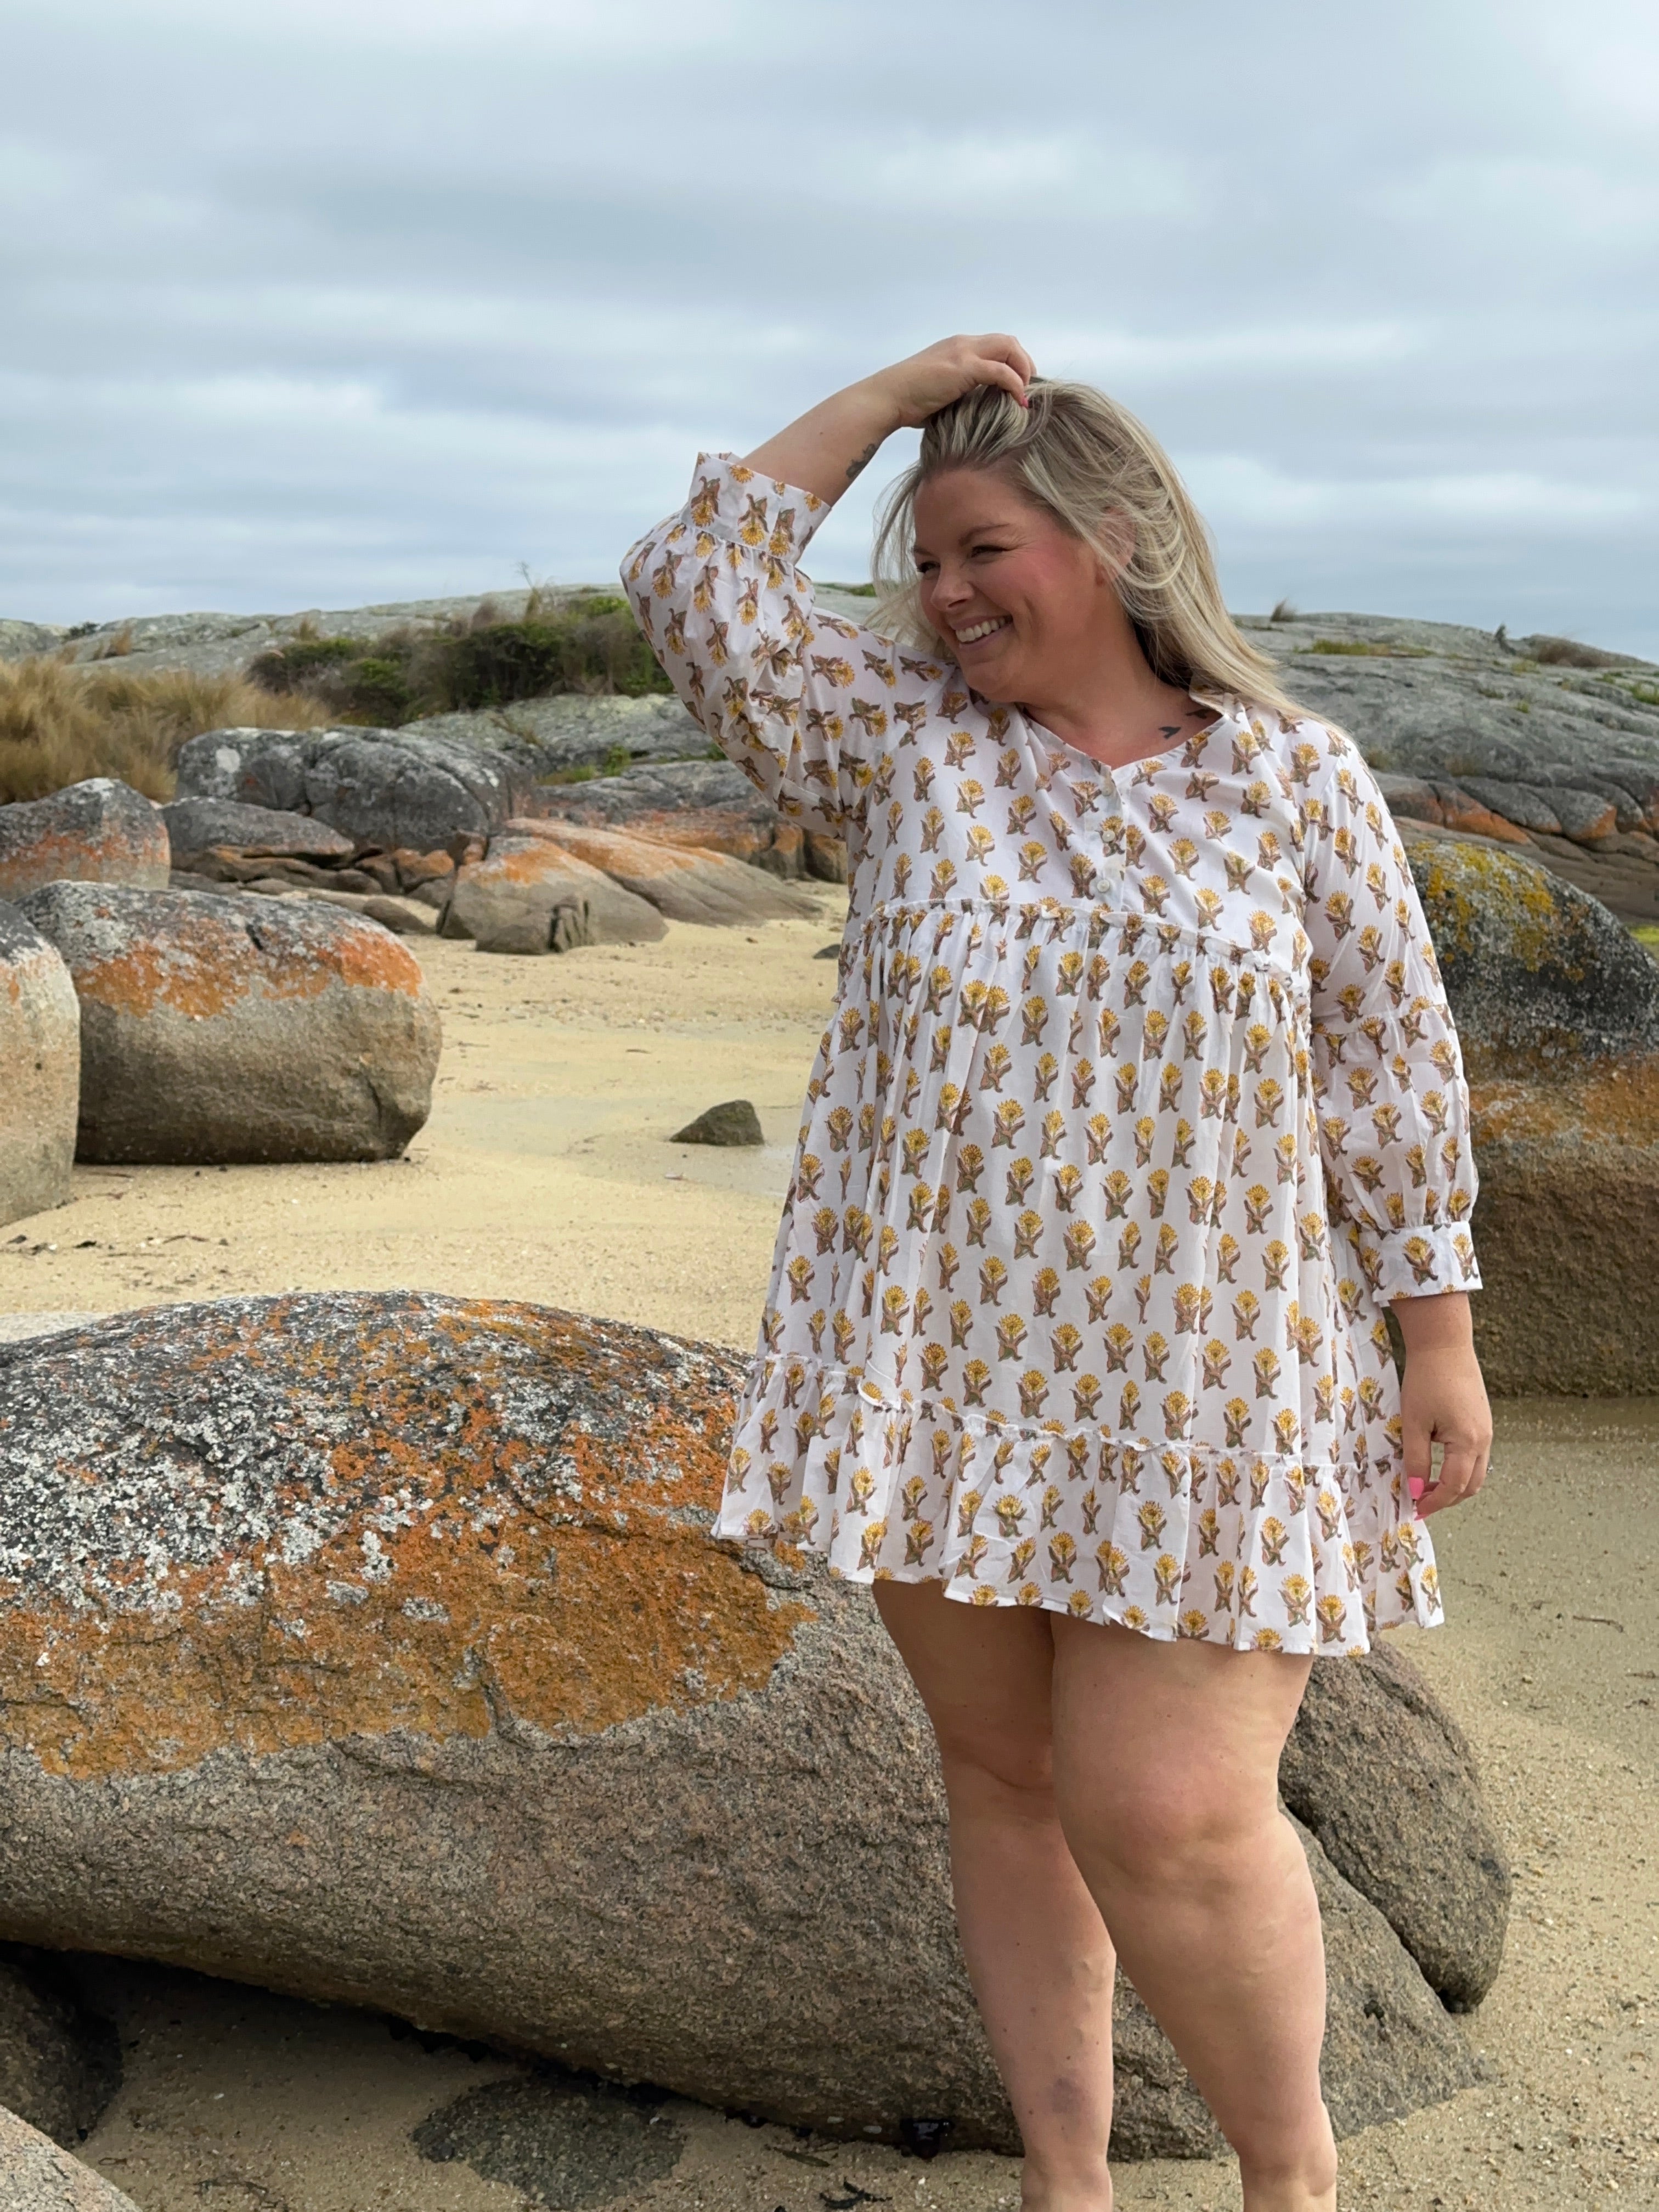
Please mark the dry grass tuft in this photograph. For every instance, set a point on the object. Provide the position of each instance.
(60, 724)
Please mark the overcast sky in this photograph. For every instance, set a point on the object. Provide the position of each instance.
(342, 301)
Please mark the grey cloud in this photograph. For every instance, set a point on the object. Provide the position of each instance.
(349, 302)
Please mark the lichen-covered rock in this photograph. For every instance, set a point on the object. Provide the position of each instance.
(1564, 1228)
(59, 2064)
(1558, 1008)
(682, 882)
(197, 826)
(383, 787)
(99, 832)
(1381, 1775)
(528, 895)
(372, 1647)
(1540, 976)
(38, 2175)
(40, 1070)
(215, 1030)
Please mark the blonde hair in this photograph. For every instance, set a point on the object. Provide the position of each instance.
(1082, 458)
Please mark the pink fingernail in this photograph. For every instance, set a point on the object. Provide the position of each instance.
(1416, 1485)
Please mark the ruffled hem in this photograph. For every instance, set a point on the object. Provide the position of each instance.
(1177, 1540)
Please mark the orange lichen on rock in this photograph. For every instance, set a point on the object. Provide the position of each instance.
(209, 961)
(1614, 1103)
(508, 1526)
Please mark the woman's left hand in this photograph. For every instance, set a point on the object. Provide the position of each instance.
(1442, 1400)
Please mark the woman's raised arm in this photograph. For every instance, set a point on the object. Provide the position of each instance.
(825, 449)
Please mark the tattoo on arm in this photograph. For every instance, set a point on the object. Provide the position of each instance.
(856, 468)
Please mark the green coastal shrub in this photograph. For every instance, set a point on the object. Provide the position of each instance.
(588, 643)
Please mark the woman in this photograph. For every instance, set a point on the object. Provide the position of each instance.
(1140, 1102)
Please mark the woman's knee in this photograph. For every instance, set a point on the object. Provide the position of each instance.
(1179, 1830)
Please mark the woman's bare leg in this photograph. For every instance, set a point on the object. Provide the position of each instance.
(1166, 1766)
(1038, 1952)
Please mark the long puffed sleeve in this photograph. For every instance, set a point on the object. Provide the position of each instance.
(804, 703)
(1393, 1105)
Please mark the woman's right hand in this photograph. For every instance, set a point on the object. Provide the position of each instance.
(920, 386)
(833, 442)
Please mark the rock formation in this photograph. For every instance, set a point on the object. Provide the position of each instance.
(1383, 1777)
(527, 894)
(372, 1647)
(210, 1033)
(1558, 1008)
(38, 2175)
(686, 883)
(710, 803)
(388, 788)
(100, 832)
(40, 1070)
(59, 2065)
(1554, 744)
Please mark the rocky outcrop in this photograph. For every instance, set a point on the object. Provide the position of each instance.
(40, 1070)
(1558, 1009)
(213, 1033)
(575, 730)
(59, 2064)
(38, 2175)
(1534, 738)
(710, 803)
(1383, 1777)
(527, 894)
(100, 832)
(336, 1622)
(385, 788)
(682, 882)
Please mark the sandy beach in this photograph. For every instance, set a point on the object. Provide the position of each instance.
(547, 1172)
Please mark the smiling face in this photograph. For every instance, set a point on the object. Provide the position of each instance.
(1025, 606)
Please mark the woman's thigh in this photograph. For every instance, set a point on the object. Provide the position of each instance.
(1162, 1747)
(983, 1672)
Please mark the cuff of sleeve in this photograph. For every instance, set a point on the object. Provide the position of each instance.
(1423, 1263)
(761, 513)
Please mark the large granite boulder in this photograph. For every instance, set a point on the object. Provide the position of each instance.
(213, 1032)
(100, 832)
(59, 2063)
(684, 882)
(38, 2175)
(197, 827)
(1542, 977)
(388, 788)
(1384, 1778)
(372, 1647)
(528, 895)
(573, 729)
(1558, 1009)
(40, 1070)
(710, 803)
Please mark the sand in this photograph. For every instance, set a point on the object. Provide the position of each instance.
(546, 1172)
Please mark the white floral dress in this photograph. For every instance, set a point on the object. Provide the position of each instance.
(1140, 1099)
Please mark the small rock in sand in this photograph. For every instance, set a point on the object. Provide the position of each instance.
(733, 1123)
